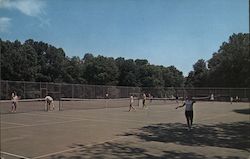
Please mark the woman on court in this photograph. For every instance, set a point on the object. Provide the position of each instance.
(188, 111)
(48, 103)
(212, 97)
(14, 99)
(131, 103)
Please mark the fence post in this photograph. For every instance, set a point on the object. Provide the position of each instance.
(72, 91)
(24, 90)
(245, 93)
(230, 91)
(0, 88)
(7, 90)
(41, 90)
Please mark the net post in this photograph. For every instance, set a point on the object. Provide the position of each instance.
(60, 104)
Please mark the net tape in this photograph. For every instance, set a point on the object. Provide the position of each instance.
(78, 103)
(23, 105)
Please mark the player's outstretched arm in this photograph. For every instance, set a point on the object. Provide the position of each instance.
(180, 106)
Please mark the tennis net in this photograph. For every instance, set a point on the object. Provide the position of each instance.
(160, 101)
(23, 105)
(207, 98)
(169, 101)
(78, 103)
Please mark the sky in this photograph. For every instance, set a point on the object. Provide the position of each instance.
(165, 32)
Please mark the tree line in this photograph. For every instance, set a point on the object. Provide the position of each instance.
(39, 61)
(228, 67)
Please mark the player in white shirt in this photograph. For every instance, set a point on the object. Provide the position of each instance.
(237, 99)
(188, 111)
(131, 103)
(49, 102)
(14, 99)
(212, 97)
(231, 100)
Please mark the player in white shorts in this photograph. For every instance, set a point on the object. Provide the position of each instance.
(49, 102)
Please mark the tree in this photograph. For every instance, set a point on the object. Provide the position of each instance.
(88, 57)
(229, 67)
(127, 72)
(74, 70)
(141, 62)
(102, 71)
(18, 62)
(39, 61)
(198, 77)
(172, 77)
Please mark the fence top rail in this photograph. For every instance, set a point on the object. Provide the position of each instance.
(108, 86)
(71, 84)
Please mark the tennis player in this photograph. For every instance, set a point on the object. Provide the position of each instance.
(212, 97)
(150, 97)
(131, 103)
(106, 96)
(237, 99)
(231, 100)
(176, 99)
(188, 111)
(144, 100)
(14, 99)
(49, 102)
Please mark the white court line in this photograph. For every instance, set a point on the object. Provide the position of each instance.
(58, 117)
(74, 119)
(54, 153)
(14, 123)
(98, 120)
(88, 145)
(216, 116)
(83, 119)
(11, 154)
(14, 138)
(88, 118)
(40, 124)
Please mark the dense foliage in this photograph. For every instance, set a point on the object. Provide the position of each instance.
(39, 61)
(229, 67)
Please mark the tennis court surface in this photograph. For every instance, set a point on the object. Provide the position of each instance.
(221, 130)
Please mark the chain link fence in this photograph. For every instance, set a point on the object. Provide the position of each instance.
(33, 90)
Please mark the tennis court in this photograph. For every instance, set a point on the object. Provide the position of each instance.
(221, 130)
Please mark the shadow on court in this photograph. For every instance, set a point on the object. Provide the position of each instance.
(122, 151)
(233, 135)
(243, 111)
